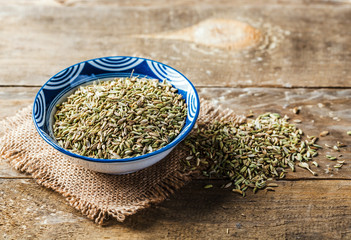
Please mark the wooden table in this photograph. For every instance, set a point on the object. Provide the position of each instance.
(244, 55)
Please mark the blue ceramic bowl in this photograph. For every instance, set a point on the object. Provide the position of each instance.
(68, 80)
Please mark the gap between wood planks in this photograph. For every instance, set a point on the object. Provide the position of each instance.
(217, 180)
(275, 86)
(219, 86)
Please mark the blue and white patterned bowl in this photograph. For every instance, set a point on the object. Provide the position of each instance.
(68, 80)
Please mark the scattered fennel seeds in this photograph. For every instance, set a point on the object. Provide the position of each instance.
(324, 133)
(315, 163)
(120, 118)
(340, 145)
(332, 158)
(296, 110)
(307, 166)
(249, 154)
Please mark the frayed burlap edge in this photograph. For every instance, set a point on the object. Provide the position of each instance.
(169, 184)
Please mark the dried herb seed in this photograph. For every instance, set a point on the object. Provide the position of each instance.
(296, 110)
(324, 133)
(306, 166)
(332, 158)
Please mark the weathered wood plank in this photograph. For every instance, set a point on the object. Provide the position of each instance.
(295, 44)
(13, 99)
(321, 110)
(303, 209)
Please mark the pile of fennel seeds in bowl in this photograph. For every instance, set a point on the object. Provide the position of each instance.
(249, 154)
(119, 118)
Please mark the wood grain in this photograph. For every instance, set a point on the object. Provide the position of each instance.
(13, 99)
(298, 48)
(242, 55)
(296, 210)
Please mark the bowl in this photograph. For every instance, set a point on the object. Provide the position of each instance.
(64, 83)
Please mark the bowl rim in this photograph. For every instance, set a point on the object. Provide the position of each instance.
(132, 159)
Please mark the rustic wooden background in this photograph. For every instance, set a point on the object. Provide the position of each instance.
(244, 55)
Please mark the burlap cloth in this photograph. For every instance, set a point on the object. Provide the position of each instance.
(97, 196)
